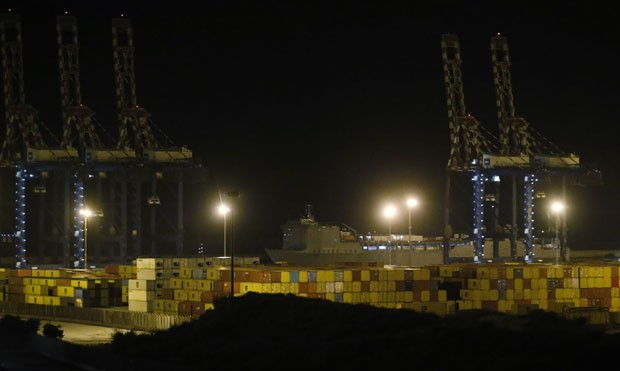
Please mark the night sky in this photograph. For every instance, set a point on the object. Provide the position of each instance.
(341, 104)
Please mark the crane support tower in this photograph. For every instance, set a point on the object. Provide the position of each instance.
(121, 179)
(164, 168)
(520, 157)
(467, 146)
(38, 166)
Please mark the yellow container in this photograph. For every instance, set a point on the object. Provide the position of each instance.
(65, 291)
(285, 276)
(365, 297)
(348, 275)
(519, 295)
(408, 296)
(373, 286)
(504, 306)
(303, 276)
(510, 273)
(34, 299)
(518, 284)
(347, 286)
(36, 290)
(171, 306)
(347, 297)
(391, 275)
(374, 297)
(483, 273)
(51, 300)
(510, 295)
(85, 284)
(320, 275)
(383, 286)
(465, 304)
(365, 275)
(421, 274)
(400, 296)
(180, 295)
(265, 288)
(189, 284)
(329, 275)
(204, 285)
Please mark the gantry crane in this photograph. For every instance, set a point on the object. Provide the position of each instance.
(24, 149)
(532, 153)
(468, 143)
(166, 168)
(83, 167)
(521, 153)
(514, 151)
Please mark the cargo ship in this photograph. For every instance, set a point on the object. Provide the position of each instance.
(306, 241)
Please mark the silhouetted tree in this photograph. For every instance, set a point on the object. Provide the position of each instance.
(53, 331)
(14, 324)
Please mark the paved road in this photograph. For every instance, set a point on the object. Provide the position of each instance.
(76, 333)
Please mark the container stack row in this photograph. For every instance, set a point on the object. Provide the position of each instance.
(507, 287)
(190, 286)
(61, 287)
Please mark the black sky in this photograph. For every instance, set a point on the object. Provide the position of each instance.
(340, 104)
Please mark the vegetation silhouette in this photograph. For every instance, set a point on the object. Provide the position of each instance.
(285, 331)
(288, 332)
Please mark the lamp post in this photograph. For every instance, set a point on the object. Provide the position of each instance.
(557, 208)
(232, 195)
(411, 203)
(87, 213)
(224, 210)
(389, 213)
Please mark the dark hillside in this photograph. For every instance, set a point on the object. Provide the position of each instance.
(277, 331)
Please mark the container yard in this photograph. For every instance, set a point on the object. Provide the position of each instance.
(187, 287)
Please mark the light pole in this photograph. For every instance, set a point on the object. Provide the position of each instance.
(232, 195)
(411, 203)
(557, 208)
(224, 210)
(389, 213)
(87, 213)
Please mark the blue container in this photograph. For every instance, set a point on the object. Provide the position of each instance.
(81, 293)
(294, 276)
(311, 276)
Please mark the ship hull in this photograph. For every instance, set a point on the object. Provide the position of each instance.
(379, 257)
(410, 258)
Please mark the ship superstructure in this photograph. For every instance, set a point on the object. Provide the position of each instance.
(307, 241)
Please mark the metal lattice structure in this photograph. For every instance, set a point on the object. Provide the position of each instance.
(129, 179)
(134, 129)
(467, 143)
(514, 138)
(163, 171)
(22, 120)
(78, 128)
(518, 140)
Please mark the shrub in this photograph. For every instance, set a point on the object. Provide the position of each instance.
(53, 331)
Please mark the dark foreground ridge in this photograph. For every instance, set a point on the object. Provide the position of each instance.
(278, 331)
